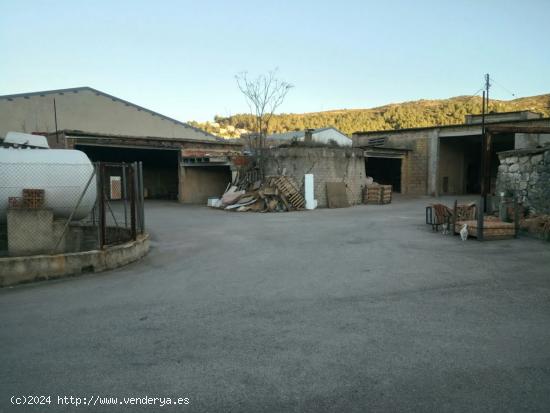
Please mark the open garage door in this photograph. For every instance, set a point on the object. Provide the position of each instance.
(385, 167)
(160, 167)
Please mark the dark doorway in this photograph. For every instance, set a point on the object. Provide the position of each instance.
(460, 162)
(472, 160)
(385, 171)
(160, 167)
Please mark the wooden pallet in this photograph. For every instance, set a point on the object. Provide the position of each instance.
(288, 188)
(377, 194)
(492, 230)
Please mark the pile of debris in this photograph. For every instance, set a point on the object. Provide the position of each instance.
(273, 194)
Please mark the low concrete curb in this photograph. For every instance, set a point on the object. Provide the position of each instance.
(15, 270)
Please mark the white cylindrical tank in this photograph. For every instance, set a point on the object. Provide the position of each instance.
(62, 173)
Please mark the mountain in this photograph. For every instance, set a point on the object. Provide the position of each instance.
(412, 114)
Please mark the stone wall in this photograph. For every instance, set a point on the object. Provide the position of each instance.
(326, 164)
(527, 172)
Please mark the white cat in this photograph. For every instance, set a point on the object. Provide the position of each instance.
(464, 232)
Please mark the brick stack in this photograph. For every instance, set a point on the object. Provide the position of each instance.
(31, 199)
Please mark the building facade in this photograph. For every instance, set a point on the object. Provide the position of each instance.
(444, 160)
(179, 161)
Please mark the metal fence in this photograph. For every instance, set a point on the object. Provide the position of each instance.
(69, 207)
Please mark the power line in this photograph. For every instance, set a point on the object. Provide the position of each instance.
(470, 97)
(477, 92)
(503, 87)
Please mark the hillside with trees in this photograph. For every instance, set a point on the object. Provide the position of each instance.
(394, 116)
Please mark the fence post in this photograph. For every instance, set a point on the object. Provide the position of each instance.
(455, 210)
(125, 193)
(141, 199)
(516, 215)
(133, 194)
(102, 215)
(480, 215)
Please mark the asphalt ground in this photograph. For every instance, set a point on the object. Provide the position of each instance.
(362, 309)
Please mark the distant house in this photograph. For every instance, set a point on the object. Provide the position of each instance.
(322, 135)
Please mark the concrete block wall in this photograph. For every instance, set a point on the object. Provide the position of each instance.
(326, 164)
(36, 231)
(30, 231)
(415, 170)
(526, 172)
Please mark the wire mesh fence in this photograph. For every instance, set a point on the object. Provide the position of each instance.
(52, 208)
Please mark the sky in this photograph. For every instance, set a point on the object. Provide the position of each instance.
(180, 58)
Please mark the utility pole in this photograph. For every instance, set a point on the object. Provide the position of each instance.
(486, 149)
(487, 86)
(485, 180)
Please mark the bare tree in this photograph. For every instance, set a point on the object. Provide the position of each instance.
(263, 96)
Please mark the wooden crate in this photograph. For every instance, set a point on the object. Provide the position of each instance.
(492, 230)
(377, 194)
(33, 198)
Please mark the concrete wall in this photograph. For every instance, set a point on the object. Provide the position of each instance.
(35, 231)
(530, 140)
(326, 164)
(502, 117)
(198, 183)
(87, 110)
(526, 172)
(30, 231)
(41, 267)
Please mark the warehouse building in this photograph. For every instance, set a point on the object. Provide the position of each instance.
(179, 161)
(446, 159)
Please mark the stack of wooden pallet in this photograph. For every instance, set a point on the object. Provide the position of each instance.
(287, 186)
(377, 194)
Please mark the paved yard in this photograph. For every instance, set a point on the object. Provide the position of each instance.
(358, 309)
